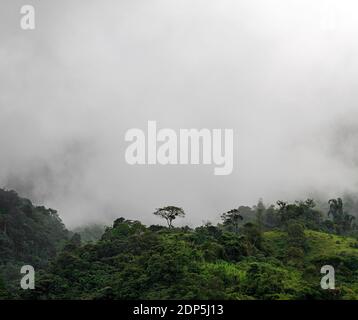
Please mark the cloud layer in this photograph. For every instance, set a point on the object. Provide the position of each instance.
(282, 74)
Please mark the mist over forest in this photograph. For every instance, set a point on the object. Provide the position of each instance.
(282, 76)
(260, 95)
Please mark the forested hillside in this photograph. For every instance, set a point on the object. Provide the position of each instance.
(259, 252)
(29, 235)
(135, 262)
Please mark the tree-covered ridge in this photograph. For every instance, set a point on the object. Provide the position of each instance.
(251, 260)
(28, 235)
(259, 252)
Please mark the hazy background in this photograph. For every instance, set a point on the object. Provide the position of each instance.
(283, 74)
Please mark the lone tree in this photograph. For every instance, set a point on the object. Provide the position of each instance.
(260, 212)
(336, 209)
(169, 214)
(232, 218)
(342, 219)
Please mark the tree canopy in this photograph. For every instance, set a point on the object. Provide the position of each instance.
(169, 213)
(259, 252)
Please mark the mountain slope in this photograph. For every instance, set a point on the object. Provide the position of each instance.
(132, 261)
(29, 235)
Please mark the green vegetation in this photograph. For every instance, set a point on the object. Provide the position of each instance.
(169, 213)
(90, 233)
(28, 235)
(256, 253)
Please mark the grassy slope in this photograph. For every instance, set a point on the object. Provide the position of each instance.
(322, 249)
(319, 243)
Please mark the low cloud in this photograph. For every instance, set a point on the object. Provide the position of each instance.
(280, 75)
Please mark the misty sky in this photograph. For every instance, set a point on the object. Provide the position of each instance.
(283, 74)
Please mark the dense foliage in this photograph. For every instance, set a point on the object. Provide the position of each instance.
(273, 252)
(90, 233)
(28, 235)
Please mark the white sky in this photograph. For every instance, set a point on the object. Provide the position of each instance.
(283, 74)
